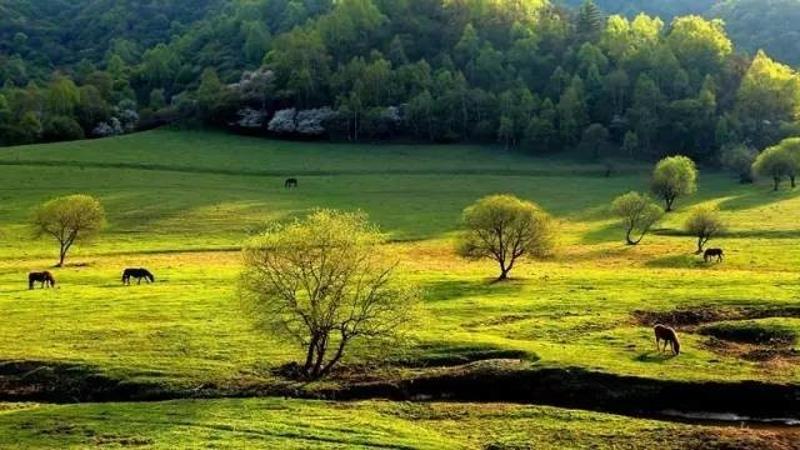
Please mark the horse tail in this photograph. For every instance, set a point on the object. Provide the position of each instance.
(30, 281)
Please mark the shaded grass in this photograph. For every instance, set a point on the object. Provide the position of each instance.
(294, 424)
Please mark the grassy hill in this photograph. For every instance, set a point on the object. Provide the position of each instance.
(180, 203)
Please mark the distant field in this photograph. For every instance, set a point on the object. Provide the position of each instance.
(182, 202)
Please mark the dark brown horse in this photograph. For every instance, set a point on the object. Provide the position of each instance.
(45, 278)
(140, 274)
(714, 253)
(291, 183)
(669, 336)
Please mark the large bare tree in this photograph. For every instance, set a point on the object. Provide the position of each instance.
(323, 282)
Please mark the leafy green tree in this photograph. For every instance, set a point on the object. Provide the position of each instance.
(769, 95)
(704, 223)
(630, 144)
(674, 177)
(63, 96)
(595, 138)
(699, 43)
(301, 62)
(589, 22)
(739, 159)
(324, 283)
(777, 162)
(638, 214)
(69, 220)
(504, 228)
(572, 114)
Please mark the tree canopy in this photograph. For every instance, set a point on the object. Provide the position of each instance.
(504, 228)
(529, 75)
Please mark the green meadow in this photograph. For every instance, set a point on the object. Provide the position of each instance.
(181, 203)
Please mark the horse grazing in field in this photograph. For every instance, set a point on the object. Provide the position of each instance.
(45, 278)
(669, 336)
(139, 274)
(714, 253)
(291, 183)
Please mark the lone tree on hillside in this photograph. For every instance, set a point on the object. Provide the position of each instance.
(69, 220)
(505, 228)
(323, 283)
(638, 213)
(778, 162)
(739, 159)
(674, 177)
(704, 223)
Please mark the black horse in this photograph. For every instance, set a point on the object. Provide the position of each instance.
(139, 274)
(714, 253)
(45, 278)
(291, 183)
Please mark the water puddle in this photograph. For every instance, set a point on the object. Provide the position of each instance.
(731, 419)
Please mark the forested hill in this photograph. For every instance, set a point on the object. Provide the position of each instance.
(56, 33)
(524, 74)
(752, 24)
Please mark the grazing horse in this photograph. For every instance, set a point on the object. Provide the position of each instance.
(45, 278)
(139, 274)
(669, 336)
(714, 253)
(291, 183)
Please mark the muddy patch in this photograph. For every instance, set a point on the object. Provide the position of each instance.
(691, 317)
(750, 332)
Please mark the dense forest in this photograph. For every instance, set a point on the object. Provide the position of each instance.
(752, 25)
(528, 74)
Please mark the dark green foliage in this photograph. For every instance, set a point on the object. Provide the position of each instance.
(526, 75)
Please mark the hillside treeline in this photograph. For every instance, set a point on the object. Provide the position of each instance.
(526, 74)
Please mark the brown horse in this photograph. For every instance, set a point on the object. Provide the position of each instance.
(45, 278)
(714, 253)
(669, 336)
(291, 183)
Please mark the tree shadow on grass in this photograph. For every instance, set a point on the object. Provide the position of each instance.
(445, 290)
(678, 262)
(611, 232)
(756, 198)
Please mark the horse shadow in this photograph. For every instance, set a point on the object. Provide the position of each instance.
(654, 356)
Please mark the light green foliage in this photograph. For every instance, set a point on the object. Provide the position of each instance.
(69, 220)
(779, 162)
(674, 177)
(504, 228)
(699, 43)
(181, 203)
(320, 283)
(638, 213)
(768, 96)
(704, 223)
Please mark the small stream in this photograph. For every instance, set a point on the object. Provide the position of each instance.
(731, 419)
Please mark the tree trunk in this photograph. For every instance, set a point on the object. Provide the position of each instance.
(701, 242)
(62, 255)
(777, 183)
(669, 201)
(794, 184)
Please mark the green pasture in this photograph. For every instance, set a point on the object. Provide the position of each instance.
(295, 424)
(181, 203)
